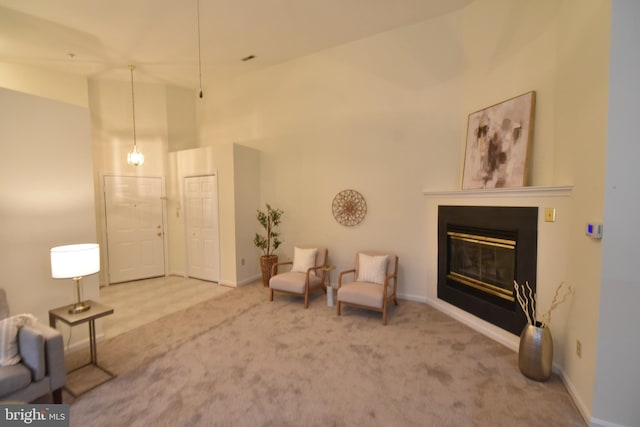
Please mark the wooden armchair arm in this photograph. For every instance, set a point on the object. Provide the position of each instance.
(387, 279)
(342, 273)
(274, 267)
(309, 270)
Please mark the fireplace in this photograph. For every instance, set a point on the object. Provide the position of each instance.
(481, 251)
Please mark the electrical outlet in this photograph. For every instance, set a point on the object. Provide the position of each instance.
(579, 348)
(550, 214)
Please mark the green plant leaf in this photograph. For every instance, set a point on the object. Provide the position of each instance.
(268, 220)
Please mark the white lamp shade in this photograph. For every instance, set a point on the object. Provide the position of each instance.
(72, 261)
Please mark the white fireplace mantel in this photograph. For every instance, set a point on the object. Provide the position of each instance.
(551, 258)
(552, 191)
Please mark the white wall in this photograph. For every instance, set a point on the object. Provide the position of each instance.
(618, 349)
(387, 116)
(46, 193)
(247, 198)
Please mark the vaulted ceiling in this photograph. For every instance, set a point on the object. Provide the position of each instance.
(99, 38)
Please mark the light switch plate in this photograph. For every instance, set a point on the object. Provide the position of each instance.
(550, 214)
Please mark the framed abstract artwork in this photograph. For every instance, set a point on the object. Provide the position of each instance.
(499, 140)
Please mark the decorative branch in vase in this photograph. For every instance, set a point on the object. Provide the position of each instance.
(535, 354)
(527, 300)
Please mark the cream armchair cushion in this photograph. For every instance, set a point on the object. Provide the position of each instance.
(304, 259)
(372, 268)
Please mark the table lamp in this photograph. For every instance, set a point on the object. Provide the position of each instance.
(75, 262)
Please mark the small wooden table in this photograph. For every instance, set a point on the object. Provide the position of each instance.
(96, 311)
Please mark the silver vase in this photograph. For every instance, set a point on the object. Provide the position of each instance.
(535, 357)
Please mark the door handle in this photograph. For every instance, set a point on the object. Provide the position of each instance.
(159, 234)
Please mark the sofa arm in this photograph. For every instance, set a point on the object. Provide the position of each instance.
(54, 355)
(31, 349)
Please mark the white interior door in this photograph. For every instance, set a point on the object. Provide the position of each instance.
(135, 234)
(201, 193)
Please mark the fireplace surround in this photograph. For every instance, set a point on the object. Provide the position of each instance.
(481, 250)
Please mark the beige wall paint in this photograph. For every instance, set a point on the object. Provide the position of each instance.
(510, 49)
(45, 83)
(181, 118)
(387, 116)
(363, 116)
(580, 151)
(46, 190)
(112, 138)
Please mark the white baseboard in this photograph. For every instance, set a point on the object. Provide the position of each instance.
(242, 282)
(582, 408)
(250, 280)
(485, 328)
(415, 298)
(602, 423)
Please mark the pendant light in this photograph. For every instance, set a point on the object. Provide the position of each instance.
(135, 157)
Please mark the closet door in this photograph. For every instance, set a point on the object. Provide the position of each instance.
(203, 248)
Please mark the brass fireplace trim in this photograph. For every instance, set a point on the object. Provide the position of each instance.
(483, 240)
(478, 284)
(483, 286)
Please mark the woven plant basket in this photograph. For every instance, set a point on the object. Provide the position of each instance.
(266, 262)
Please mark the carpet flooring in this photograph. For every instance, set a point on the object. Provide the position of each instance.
(240, 360)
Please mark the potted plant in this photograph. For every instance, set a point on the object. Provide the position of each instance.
(269, 220)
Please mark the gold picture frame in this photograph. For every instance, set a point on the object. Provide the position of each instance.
(498, 144)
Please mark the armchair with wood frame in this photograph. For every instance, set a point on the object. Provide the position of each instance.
(304, 276)
(373, 285)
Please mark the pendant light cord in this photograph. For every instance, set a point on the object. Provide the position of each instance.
(199, 53)
(133, 108)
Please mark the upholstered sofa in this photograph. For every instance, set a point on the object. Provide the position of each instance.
(40, 370)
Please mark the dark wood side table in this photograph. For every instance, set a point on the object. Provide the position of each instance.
(96, 311)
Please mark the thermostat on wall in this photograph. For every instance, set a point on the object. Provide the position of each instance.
(594, 230)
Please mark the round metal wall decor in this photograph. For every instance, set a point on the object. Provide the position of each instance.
(349, 207)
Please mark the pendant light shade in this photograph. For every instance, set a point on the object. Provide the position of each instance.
(135, 157)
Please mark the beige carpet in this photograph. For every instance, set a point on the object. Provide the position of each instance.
(240, 360)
